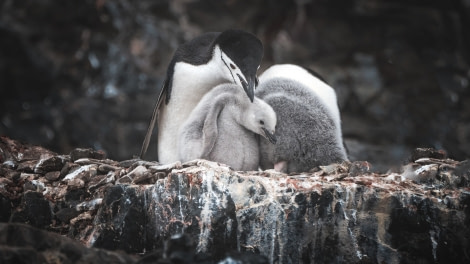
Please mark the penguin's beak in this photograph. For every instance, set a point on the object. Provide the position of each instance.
(249, 87)
(269, 136)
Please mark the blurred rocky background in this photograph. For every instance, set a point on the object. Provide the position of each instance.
(87, 73)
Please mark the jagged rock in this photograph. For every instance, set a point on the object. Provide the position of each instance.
(66, 214)
(34, 185)
(52, 175)
(13, 151)
(33, 210)
(54, 163)
(107, 168)
(27, 166)
(205, 212)
(80, 153)
(419, 153)
(24, 244)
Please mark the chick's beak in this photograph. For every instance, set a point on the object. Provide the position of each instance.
(269, 136)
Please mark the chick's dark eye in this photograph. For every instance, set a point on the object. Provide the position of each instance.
(232, 66)
(261, 122)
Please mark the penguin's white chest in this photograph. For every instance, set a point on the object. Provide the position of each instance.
(190, 84)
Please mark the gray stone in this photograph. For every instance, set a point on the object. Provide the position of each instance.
(52, 175)
(80, 153)
(54, 163)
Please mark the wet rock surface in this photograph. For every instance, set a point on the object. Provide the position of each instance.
(205, 212)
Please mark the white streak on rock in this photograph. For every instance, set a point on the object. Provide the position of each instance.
(206, 213)
(77, 172)
(89, 205)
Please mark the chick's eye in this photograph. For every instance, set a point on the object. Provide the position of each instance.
(261, 122)
(232, 66)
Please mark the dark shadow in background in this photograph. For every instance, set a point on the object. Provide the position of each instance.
(87, 73)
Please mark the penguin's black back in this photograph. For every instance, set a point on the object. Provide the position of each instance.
(242, 47)
(197, 51)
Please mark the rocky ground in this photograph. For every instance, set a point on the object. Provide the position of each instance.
(84, 208)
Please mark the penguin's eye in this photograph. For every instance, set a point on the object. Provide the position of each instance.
(261, 122)
(232, 66)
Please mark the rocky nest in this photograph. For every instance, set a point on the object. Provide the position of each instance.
(85, 208)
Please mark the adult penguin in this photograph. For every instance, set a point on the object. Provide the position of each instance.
(231, 56)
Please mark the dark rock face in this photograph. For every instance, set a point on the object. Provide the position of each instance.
(33, 210)
(205, 212)
(23, 244)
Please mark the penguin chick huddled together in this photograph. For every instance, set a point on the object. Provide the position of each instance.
(231, 56)
(308, 119)
(223, 128)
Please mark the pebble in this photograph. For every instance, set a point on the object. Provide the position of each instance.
(124, 179)
(13, 175)
(79, 153)
(68, 167)
(52, 175)
(81, 217)
(146, 178)
(335, 168)
(76, 184)
(84, 173)
(359, 168)
(107, 168)
(34, 185)
(166, 167)
(5, 181)
(54, 163)
(138, 171)
(28, 176)
(27, 166)
(86, 161)
(10, 164)
(89, 205)
(128, 163)
(419, 153)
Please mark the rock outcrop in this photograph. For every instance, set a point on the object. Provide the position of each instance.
(342, 213)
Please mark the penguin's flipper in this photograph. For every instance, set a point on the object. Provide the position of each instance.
(210, 131)
(153, 119)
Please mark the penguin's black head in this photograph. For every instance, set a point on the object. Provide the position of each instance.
(241, 54)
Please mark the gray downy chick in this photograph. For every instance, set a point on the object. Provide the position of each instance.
(308, 119)
(223, 128)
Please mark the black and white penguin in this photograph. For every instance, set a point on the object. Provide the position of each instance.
(197, 66)
(309, 124)
(223, 128)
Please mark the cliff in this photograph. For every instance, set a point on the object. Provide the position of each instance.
(136, 211)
